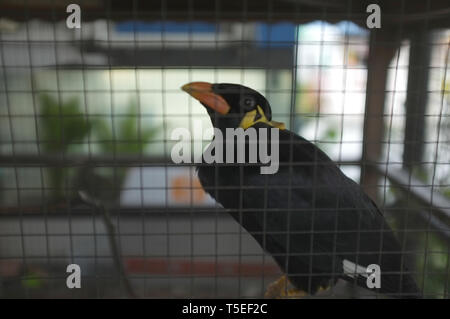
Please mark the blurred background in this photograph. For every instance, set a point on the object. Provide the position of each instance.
(103, 99)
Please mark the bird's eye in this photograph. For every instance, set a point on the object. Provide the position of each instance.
(248, 102)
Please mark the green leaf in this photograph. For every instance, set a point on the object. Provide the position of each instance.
(129, 137)
(62, 124)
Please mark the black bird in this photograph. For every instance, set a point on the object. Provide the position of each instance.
(315, 222)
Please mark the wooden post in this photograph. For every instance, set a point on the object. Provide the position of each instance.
(416, 98)
(383, 45)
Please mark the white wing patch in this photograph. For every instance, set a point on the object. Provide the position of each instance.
(352, 270)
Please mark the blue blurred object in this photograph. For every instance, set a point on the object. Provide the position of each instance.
(275, 35)
(266, 35)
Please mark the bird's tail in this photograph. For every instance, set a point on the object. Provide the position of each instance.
(410, 290)
(405, 287)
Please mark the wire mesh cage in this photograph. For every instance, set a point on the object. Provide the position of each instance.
(90, 98)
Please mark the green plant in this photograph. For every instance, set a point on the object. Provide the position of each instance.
(125, 136)
(62, 128)
(433, 263)
(128, 136)
(63, 125)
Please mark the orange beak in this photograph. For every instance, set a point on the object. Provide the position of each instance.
(202, 91)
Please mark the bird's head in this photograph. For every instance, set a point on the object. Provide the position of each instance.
(232, 105)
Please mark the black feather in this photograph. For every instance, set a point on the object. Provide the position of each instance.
(310, 217)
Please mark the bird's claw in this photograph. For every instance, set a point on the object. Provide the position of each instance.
(274, 290)
(279, 289)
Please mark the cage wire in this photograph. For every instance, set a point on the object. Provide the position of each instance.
(92, 110)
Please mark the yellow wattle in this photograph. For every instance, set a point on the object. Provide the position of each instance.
(249, 120)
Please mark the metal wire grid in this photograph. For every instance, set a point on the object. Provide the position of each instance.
(143, 216)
